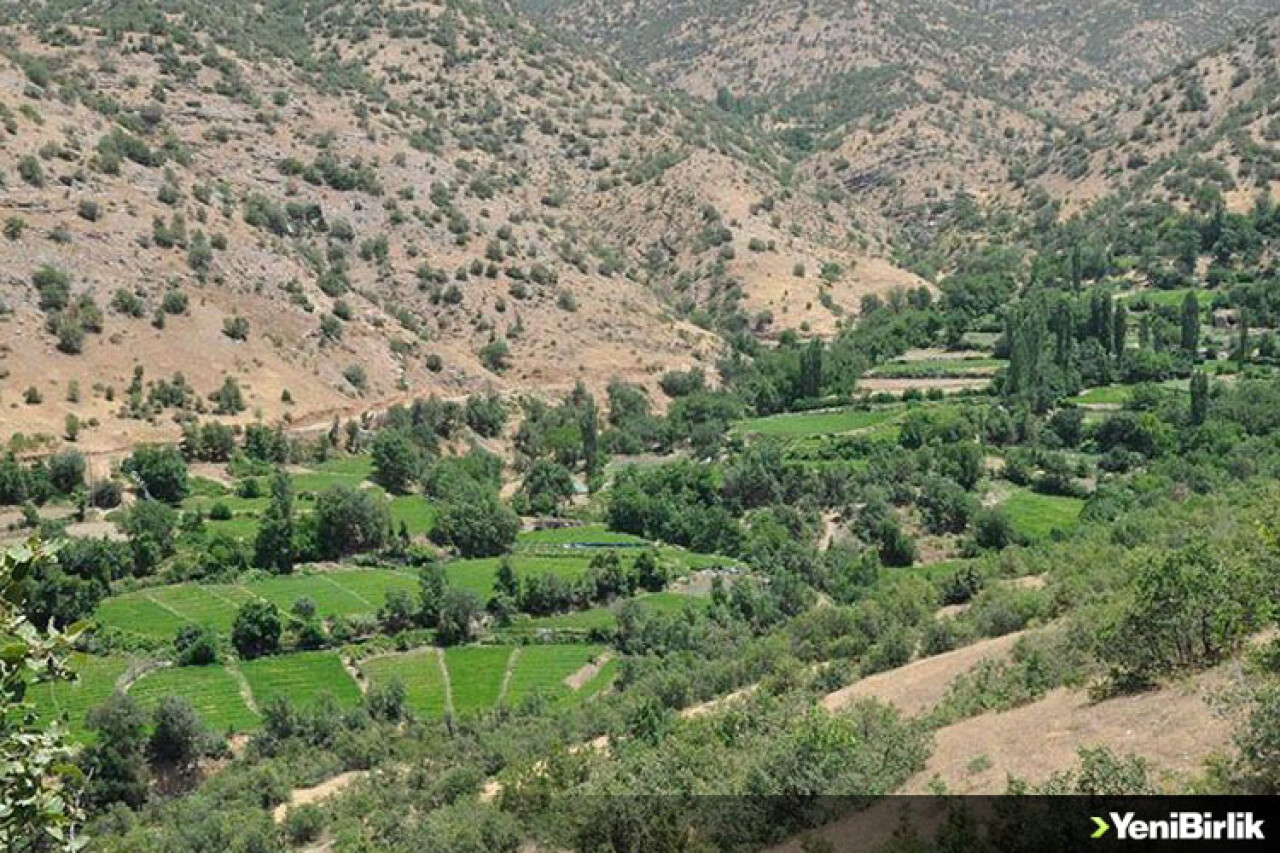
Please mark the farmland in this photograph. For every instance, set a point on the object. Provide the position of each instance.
(477, 675)
(213, 691)
(823, 422)
(303, 678)
(1037, 516)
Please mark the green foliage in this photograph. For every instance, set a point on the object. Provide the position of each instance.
(477, 523)
(161, 471)
(39, 786)
(257, 628)
(1190, 608)
(350, 521)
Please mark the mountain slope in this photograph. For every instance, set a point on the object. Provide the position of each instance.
(352, 201)
(907, 101)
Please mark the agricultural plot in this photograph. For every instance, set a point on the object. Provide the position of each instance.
(96, 679)
(345, 471)
(588, 533)
(212, 691)
(825, 422)
(1037, 516)
(1108, 395)
(417, 513)
(301, 678)
(478, 575)
(938, 368)
(475, 676)
(419, 672)
(603, 618)
(543, 671)
(158, 613)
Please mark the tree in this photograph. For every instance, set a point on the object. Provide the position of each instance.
(810, 378)
(66, 472)
(178, 736)
(547, 486)
(1190, 608)
(458, 613)
(1199, 398)
(432, 586)
(397, 611)
(477, 523)
(651, 575)
(506, 582)
(397, 462)
(195, 645)
(149, 526)
(1190, 323)
(256, 629)
(273, 548)
(486, 415)
(38, 786)
(350, 521)
(1119, 331)
(116, 760)
(160, 471)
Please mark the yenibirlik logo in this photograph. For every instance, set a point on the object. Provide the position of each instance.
(1183, 826)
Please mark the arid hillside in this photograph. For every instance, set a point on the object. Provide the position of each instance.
(1209, 123)
(905, 102)
(336, 204)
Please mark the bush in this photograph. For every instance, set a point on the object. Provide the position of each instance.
(478, 524)
(256, 630)
(195, 645)
(161, 471)
(350, 521)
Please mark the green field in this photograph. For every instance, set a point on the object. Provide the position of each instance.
(940, 367)
(542, 670)
(344, 471)
(602, 618)
(825, 422)
(591, 533)
(96, 679)
(475, 676)
(160, 611)
(212, 691)
(1110, 395)
(419, 672)
(301, 678)
(478, 575)
(1036, 516)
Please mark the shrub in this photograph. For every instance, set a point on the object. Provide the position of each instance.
(195, 645)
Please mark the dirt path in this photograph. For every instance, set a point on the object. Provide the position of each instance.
(357, 675)
(448, 685)
(323, 791)
(578, 680)
(713, 705)
(1175, 728)
(246, 692)
(918, 686)
(506, 674)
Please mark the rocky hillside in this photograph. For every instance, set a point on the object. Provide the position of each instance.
(907, 101)
(1208, 126)
(333, 204)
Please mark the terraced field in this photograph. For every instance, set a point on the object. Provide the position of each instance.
(158, 613)
(1036, 516)
(302, 678)
(70, 701)
(482, 677)
(823, 422)
(212, 691)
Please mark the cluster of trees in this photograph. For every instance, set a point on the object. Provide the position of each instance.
(61, 475)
